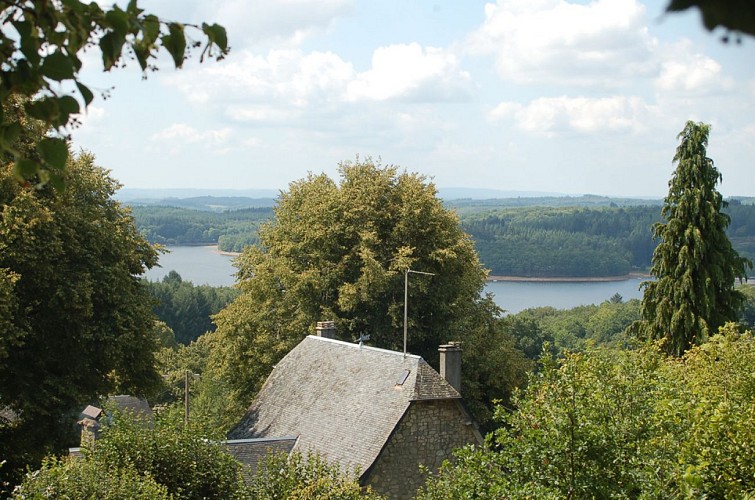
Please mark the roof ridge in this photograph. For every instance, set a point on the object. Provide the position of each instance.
(365, 347)
(430, 385)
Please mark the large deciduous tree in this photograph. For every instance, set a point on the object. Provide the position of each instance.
(40, 47)
(339, 251)
(75, 319)
(694, 264)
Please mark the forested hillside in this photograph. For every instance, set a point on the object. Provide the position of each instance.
(232, 230)
(588, 236)
(564, 242)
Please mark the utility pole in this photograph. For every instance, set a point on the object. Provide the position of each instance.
(187, 376)
(406, 300)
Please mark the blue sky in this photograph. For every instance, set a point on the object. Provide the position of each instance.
(529, 95)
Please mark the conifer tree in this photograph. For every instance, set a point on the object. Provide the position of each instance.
(694, 264)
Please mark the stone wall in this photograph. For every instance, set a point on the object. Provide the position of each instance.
(426, 435)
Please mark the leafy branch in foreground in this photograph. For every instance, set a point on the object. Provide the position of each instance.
(40, 45)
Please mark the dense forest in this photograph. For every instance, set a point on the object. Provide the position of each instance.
(185, 308)
(586, 236)
(232, 230)
(538, 241)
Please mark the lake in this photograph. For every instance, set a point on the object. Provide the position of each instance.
(205, 266)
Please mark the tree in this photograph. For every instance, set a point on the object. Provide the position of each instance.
(42, 57)
(694, 264)
(338, 251)
(75, 478)
(617, 423)
(167, 460)
(77, 322)
(188, 309)
(188, 462)
(305, 477)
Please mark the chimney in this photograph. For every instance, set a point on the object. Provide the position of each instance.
(326, 329)
(450, 364)
(90, 425)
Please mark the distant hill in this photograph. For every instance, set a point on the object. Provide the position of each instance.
(142, 194)
(205, 203)
(544, 236)
(456, 193)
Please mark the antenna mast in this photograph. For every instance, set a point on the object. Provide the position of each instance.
(406, 299)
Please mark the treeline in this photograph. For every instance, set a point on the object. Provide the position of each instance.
(582, 242)
(188, 309)
(564, 242)
(537, 241)
(231, 230)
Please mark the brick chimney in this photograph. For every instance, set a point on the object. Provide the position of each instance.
(326, 329)
(450, 364)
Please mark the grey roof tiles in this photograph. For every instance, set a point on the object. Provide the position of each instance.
(341, 399)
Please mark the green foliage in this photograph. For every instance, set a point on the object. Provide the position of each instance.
(305, 477)
(76, 478)
(542, 241)
(694, 264)
(480, 474)
(612, 423)
(748, 313)
(40, 56)
(525, 240)
(187, 309)
(573, 329)
(232, 230)
(76, 319)
(183, 460)
(207, 394)
(338, 251)
(494, 363)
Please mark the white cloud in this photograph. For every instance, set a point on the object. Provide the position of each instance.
(287, 83)
(181, 133)
(286, 77)
(270, 115)
(599, 43)
(686, 72)
(553, 115)
(282, 22)
(410, 71)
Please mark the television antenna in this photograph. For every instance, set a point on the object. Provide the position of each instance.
(406, 299)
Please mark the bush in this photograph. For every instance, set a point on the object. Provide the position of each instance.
(612, 423)
(307, 477)
(74, 479)
(183, 460)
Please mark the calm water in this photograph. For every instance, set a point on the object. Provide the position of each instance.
(200, 265)
(204, 266)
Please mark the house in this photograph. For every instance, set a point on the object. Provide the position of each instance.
(380, 412)
(249, 452)
(91, 418)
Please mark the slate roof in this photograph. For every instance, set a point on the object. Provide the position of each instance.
(341, 399)
(251, 452)
(137, 407)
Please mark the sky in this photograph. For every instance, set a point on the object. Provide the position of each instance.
(572, 97)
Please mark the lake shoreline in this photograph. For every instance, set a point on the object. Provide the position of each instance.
(521, 279)
(206, 265)
(218, 251)
(567, 279)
